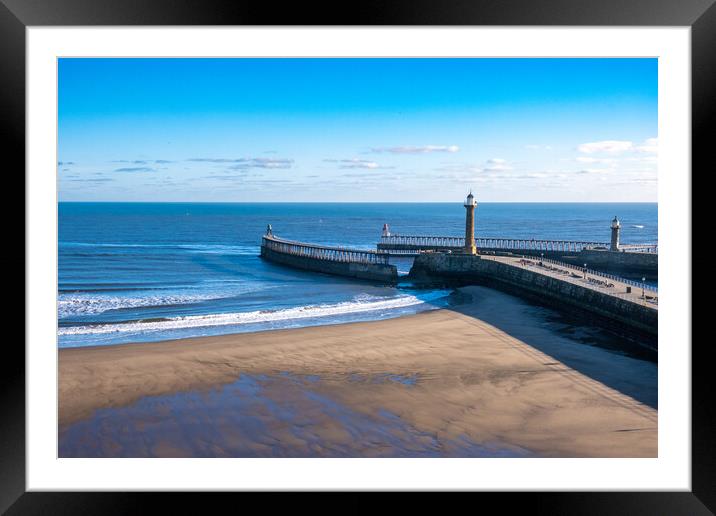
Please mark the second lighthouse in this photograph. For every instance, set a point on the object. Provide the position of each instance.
(470, 205)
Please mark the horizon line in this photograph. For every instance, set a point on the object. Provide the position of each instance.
(355, 202)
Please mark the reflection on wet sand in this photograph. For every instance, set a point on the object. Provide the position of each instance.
(263, 416)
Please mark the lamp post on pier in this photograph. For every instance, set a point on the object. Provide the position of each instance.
(585, 271)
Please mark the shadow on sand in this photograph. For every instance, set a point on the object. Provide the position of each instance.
(590, 350)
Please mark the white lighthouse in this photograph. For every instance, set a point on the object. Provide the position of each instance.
(386, 230)
(470, 205)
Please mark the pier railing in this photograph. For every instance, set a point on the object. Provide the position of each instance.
(422, 241)
(592, 272)
(417, 242)
(320, 252)
(639, 248)
(538, 245)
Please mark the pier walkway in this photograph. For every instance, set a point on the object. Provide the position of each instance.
(640, 293)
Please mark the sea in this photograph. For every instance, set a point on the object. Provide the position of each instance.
(141, 272)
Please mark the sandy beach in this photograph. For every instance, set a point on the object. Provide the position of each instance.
(494, 376)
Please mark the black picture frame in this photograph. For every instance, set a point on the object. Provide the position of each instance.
(16, 15)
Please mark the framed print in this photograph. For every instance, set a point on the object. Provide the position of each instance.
(416, 249)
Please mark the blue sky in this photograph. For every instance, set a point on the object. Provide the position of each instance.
(368, 130)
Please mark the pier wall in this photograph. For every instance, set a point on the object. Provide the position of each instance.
(629, 264)
(629, 319)
(364, 271)
(614, 262)
(646, 264)
(554, 255)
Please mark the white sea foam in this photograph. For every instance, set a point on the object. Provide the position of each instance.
(358, 305)
(69, 305)
(198, 248)
(244, 250)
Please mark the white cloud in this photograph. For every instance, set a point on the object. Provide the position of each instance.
(134, 169)
(617, 159)
(601, 161)
(594, 171)
(650, 145)
(356, 163)
(534, 175)
(646, 160)
(496, 165)
(491, 167)
(425, 149)
(607, 146)
(248, 163)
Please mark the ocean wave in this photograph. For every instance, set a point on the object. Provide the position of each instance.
(242, 250)
(197, 248)
(74, 305)
(363, 303)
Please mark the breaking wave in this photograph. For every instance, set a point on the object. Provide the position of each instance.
(250, 250)
(360, 304)
(74, 305)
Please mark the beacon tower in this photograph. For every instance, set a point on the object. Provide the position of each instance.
(616, 227)
(470, 205)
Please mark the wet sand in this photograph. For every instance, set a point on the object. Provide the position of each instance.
(492, 377)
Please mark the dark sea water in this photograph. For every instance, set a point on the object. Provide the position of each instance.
(137, 272)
